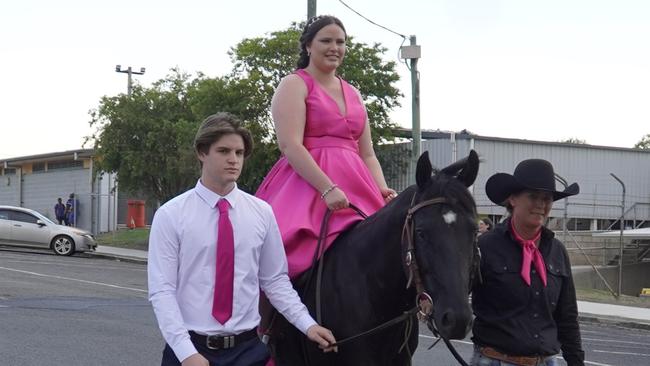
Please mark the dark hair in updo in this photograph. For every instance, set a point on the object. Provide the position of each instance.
(314, 25)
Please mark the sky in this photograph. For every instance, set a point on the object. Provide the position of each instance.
(544, 70)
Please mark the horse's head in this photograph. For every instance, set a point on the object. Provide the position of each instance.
(441, 227)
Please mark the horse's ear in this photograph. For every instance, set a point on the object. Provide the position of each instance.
(465, 170)
(423, 170)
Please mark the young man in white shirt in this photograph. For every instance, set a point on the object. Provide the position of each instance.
(205, 296)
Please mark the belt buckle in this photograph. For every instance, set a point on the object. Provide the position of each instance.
(217, 343)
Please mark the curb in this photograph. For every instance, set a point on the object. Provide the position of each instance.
(621, 322)
(119, 258)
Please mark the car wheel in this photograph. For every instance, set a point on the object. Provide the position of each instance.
(63, 245)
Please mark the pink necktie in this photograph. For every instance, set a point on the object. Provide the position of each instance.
(223, 284)
(530, 254)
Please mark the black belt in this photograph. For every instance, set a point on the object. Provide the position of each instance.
(216, 342)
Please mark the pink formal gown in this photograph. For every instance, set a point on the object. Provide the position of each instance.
(332, 140)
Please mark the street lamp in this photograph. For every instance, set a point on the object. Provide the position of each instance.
(129, 71)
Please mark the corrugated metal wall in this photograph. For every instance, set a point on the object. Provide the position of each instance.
(600, 194)
(589, 166)
(41, 189)
(9, 190)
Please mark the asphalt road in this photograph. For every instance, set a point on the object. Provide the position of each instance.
(83, 310)
(74, 311)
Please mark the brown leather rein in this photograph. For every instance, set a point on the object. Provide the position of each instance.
(424, 302)
(409, 262)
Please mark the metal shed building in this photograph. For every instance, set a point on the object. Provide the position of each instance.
(598, 205)
(36, 182)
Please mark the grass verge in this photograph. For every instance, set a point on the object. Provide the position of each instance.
(606, 297)
(126, 238)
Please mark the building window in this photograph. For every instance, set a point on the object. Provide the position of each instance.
(10, 171)
(68, 164)
(38, 167)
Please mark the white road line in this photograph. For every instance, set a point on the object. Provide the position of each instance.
(621, 353)
(453, 340)
(74, 279)
(597, 363)
(614, 341)
(82, 265)
(583, 331)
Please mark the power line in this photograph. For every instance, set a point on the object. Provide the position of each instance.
(379, 25)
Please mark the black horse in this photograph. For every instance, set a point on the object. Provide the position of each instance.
(364, 275)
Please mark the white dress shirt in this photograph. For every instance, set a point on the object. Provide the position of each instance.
(182, 267)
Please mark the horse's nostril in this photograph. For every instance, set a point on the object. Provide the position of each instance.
(448, 319)
(453, 324)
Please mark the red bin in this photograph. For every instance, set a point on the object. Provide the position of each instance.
(135, 213)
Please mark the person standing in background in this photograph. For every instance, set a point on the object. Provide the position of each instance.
(59, 211)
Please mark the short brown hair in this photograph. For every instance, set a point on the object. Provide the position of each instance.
(216, 126)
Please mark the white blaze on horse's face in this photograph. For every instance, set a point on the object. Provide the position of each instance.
(449, 217)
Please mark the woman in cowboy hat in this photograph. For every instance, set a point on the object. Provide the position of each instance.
(525, 306)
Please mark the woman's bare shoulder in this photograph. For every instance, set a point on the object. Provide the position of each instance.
(293, 82)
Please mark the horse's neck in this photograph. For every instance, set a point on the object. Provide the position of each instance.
(382, 241)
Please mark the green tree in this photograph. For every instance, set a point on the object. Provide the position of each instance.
(264, 61)
(241, 98)
(144, 137)
(147, 137)
(575, 140)
(644, 143)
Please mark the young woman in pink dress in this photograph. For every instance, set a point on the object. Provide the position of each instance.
(327, 158)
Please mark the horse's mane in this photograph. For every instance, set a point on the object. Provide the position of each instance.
(440, 185)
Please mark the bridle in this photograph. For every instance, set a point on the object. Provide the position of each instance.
(424, 311)
(424, 301)
(410, 262)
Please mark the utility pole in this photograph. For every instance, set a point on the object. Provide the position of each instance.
(564, 182)
(311, 9)
(620, 241)
(129, 71)
(413, 53)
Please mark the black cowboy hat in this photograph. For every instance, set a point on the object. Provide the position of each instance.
(534, 174)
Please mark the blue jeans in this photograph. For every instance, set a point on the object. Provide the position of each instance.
(479, 360)
(250, 353)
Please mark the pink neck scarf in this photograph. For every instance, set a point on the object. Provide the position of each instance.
(530, 254)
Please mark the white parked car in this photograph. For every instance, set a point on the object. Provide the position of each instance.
(21, 226)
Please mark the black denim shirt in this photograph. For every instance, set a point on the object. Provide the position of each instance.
(520, 320)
